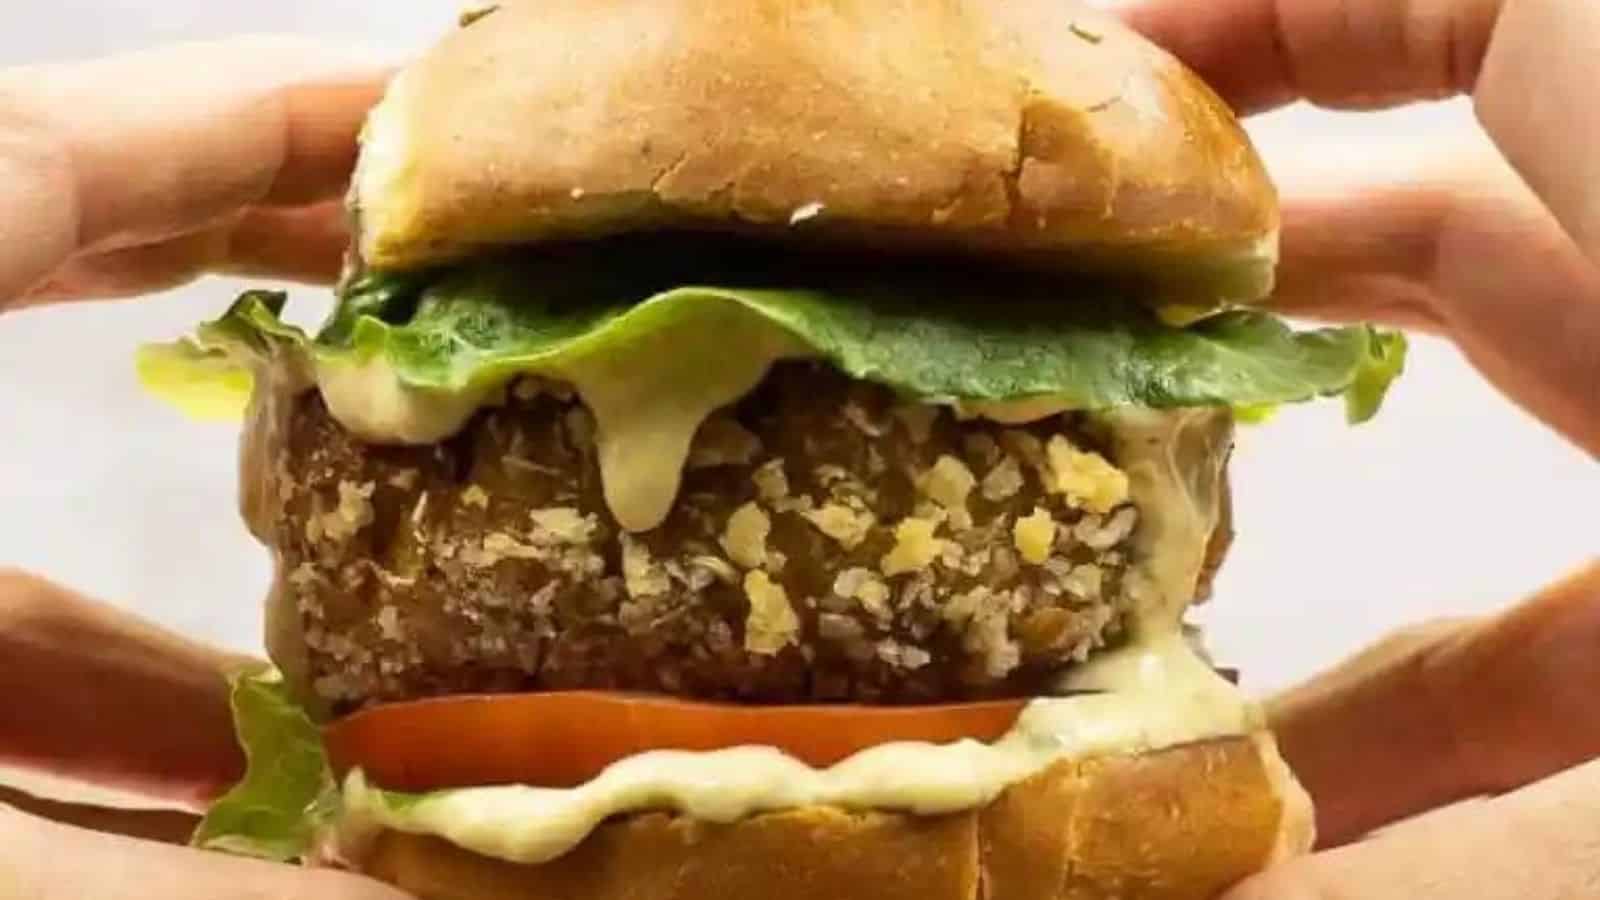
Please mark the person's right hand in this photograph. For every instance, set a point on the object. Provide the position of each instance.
(1449, 238)
(1499, 253)
(1501, 712)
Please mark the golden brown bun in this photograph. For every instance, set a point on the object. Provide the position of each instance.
(1036, 128)
(1180, 824)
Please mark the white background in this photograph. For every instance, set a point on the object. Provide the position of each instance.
(1452, 502)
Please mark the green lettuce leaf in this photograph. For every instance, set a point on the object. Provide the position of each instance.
(288, 791)
(206, 386)
(936, 335)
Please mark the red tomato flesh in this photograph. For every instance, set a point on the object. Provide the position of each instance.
(563, 739)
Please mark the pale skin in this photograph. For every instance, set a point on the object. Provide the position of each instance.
(239, 169)
(225, 158)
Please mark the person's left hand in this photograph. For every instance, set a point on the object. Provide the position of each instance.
(234, 158)
(95, 696)
(121, 177)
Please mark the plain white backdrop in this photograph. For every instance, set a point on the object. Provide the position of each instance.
(1452, 502)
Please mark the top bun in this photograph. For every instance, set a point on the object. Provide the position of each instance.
(1035, 129)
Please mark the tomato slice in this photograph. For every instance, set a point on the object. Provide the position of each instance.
(563, 739)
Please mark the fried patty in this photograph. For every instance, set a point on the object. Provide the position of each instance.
(828, 544)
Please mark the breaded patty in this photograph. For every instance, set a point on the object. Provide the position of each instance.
(828, 544)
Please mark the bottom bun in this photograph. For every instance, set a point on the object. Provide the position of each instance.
(1178, 824)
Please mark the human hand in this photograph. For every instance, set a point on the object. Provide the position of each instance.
(98, 697)
(1499, 254)
(1501, 257)
(1500, 711)
(232, 157)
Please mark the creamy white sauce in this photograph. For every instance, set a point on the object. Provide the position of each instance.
(371, 402)
(646, 416)
(648, 404)
(1174, 461)
(1158, 695)
(649, 394)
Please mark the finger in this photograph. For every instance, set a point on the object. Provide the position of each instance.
(132, 271)
(165, 825)
(1447, 238)
(304, 244)
(134, 150)
(1449, 711)
(46, 861)
(1529, 673)
(1341, 53)
(199, 131)
(1530, 64)
(156, 721)
(1542, 841)
(1536, 98)
(1262, 54)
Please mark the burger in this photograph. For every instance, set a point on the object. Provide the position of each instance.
(769, 449)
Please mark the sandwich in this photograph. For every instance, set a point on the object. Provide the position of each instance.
(769, 449)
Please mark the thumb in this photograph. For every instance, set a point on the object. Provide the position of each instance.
(96, 679)
(1542, 841)
(1438, 714)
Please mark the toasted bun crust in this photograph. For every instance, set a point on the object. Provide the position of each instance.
(1180, 824)
(1032, 128)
